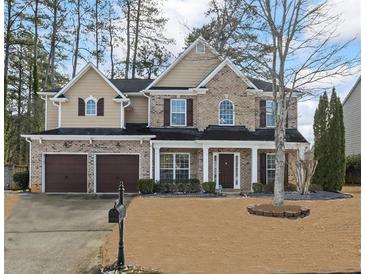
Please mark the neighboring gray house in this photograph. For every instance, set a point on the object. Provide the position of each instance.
(352, 119)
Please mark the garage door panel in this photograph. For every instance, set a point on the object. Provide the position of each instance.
(66, 173)
(111, 169)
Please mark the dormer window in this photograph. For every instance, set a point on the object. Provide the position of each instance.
(200, 48)
(90, 106)
(226, 113)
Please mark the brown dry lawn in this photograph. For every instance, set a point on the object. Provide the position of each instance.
(10, 200)
(192, 235)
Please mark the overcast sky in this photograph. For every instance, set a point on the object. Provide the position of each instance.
(186, 14)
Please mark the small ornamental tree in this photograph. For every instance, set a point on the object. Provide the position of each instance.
(305, 167)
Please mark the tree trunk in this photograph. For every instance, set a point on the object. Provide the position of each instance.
(128, 40)
(53, 46)
(136, 40)
(97, 33)
(77, 40)
(111, 42)
(280, 149)
(7, 48)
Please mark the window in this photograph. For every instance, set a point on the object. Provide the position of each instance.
(200, 48)
(174, 166)
(178, 112)
(90, 106)
(270, 168)
(226, 113)
(270, 113)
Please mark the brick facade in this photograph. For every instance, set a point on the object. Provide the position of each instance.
(38, 149)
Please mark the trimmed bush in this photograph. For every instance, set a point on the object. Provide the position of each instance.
(257, 187)
(315, 188)
(22, 179)
(268, 188)
(291, 187)
(145, 186)
(209, 187)
(353, 169)
(172, 186)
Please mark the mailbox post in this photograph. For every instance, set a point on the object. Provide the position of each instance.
(117, 215)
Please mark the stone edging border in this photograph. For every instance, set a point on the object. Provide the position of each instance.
(290, 214)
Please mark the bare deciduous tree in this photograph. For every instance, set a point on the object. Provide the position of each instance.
(302, 36)
(305, 165)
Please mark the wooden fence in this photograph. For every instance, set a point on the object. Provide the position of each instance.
(9, 171)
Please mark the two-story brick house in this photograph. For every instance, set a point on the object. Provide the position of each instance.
(201, 118)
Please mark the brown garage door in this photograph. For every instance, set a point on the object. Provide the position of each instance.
(110, 169)
(66, 173)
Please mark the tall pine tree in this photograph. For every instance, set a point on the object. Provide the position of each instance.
(320, 126)
(336, 152)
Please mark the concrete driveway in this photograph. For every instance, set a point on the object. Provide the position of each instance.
(56, 233)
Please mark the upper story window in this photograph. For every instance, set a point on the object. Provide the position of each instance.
(226, 113)
(200, 48)
(178, 112)
(270, 113)
(90, 106)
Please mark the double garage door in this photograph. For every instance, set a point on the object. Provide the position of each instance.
(68, 173)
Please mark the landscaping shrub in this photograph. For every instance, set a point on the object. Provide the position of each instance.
(145, 186)
(268, 188)
(257, 187)
(291, 187)
(353, 169)
(22, 179)
(209, 187)
(172, 186)
(315, 188)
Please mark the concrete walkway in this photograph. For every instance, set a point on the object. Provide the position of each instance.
(56, 233)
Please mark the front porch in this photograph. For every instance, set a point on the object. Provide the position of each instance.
(233, 165)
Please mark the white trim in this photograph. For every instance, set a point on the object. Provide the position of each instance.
(184, 92)
(91, 98)
(205, 164)
(148, 108)
(266, 171)
(186, 118)
(43, 168)
(219, 113)
(44, 93)
(114, 153)
(59, 114)
(177, 60)
(58, 99)
(352, 90)
(81, 73)
(174, 163)
(253, 166)
(221, 66)
(151, 161)
(273, 113)
(89, 137)
(30, 163)
(45, 99)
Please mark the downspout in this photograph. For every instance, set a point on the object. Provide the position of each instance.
(149, 108)
(45, 99)
(59, 112)
(30, 162)
(122, 113)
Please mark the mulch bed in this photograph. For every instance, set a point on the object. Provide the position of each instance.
(286, 211)
(295, 196)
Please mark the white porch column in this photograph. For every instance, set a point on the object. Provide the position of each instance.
(253, 165)
(205, 163)
(157, 163)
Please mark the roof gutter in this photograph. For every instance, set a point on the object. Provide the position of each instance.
(88, 137)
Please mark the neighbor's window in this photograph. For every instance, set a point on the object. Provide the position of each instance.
(91, 107)
(200, 48)
(226, 113)
(174, 166)
(270, 168)
(270, 113)
(178, 112)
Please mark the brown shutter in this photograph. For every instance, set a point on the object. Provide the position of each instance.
(286, 175)
(81, 107)
(166, 114)
(189, 110)
(100, 107)
(262, 113)
(263, 168)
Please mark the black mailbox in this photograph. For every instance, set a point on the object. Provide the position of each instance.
(113, 215)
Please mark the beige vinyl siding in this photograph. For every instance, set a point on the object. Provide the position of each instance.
(52, 115)
(352, 121)
(91, 83)
(138, 110)
(191, 70)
